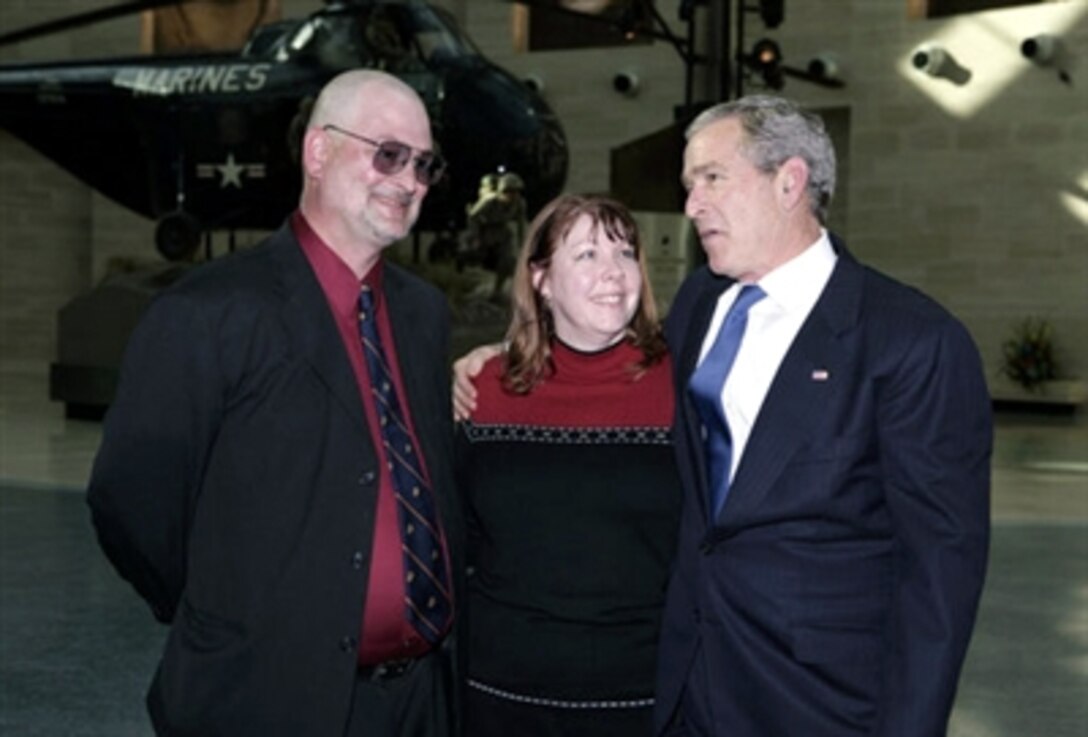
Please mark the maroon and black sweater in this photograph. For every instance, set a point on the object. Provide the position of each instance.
(572, 505)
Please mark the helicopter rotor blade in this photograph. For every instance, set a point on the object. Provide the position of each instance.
(84, 19)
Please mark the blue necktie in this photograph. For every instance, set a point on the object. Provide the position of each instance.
(705, 388)
(426, 580)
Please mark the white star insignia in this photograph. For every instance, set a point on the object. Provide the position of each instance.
(232, 173)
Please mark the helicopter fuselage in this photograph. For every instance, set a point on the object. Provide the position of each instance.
(216, 136)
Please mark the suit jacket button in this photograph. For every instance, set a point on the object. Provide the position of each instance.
(348, 644)
(357, 559)
(367, 478)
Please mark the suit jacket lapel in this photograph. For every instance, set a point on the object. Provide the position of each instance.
(312, 327)
(814, 370)
(404, 317)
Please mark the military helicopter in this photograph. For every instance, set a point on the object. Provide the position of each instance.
(207, 142)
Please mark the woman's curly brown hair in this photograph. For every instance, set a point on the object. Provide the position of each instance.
(532, 327)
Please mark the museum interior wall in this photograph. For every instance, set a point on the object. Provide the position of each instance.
(974, 187)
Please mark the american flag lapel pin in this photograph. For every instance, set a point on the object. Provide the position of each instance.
(820, 375)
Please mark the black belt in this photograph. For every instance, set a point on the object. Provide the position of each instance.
(387, 671)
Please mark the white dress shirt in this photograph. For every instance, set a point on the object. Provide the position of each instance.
(792, 290)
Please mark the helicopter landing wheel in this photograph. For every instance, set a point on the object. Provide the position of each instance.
(177, 236)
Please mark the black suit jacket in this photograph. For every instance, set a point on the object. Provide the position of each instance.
(836, 591)
(236, 486)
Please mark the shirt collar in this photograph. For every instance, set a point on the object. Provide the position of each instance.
(336, 278)
(797, 284)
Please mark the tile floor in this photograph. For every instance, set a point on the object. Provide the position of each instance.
(77, 648)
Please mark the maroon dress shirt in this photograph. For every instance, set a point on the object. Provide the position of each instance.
(386, 633)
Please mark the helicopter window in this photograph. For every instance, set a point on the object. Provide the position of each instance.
(341, 45)
(346, 41)
(385, 36)
(333, 42)
(265, 39)
(298, 42)
(389, 38)
(437, 36)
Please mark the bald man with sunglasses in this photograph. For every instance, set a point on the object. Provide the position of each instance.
(275, 476)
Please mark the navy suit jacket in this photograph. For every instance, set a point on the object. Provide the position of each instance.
(236, 486)
(835, 593)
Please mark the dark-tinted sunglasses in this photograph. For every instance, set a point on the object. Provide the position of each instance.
(392, 156)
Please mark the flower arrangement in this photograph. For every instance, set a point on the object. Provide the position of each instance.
(1029, 359)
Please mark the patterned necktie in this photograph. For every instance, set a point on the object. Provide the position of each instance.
(705, 388)
(427, 590)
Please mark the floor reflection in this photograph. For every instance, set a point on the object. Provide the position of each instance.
(77, 648)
